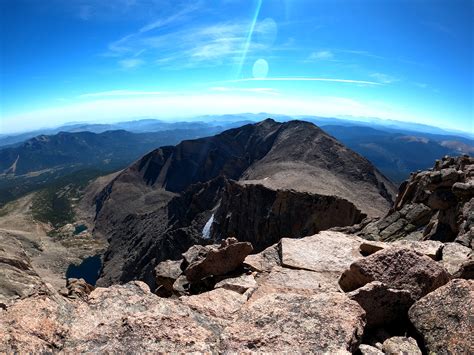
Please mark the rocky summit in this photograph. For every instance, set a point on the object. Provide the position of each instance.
(217, 245)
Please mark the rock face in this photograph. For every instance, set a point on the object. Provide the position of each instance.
(401, 269)
(260, 215)
(431, 205)
(444, 318)
(292, 180)
(17, 277)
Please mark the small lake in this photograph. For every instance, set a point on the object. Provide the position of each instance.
(88, 270)
(79, 229)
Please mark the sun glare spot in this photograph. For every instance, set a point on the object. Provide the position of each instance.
(260, 69)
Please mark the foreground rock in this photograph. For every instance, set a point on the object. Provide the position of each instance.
(401, 269)
(279, 323)
(118, 319)
(444, 318)
(129, 318)
(219, 303)
(298, 281)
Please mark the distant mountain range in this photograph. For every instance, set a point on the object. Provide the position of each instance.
(137, 126)
(398, 154)
(43, 159)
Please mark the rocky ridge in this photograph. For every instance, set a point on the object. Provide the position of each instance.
(436, 204)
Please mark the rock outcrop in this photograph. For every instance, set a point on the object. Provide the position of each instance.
(432, 205)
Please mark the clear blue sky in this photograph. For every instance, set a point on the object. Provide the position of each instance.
(99, 60)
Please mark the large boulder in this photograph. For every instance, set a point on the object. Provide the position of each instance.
(283, 323)
(383, 306)
(326, 251)
(219, 261)
(401, 269)
(444, 318)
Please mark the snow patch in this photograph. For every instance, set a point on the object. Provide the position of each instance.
(206, 231)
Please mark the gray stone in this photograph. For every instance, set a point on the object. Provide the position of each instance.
(369, 350)
(166, 273)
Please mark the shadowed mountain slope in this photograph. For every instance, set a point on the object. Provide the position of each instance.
(158, 207)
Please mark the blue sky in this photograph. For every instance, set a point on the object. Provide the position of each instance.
(97, 60)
